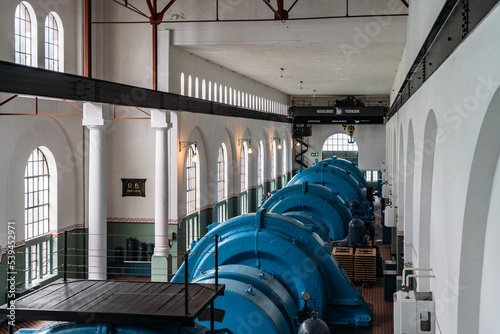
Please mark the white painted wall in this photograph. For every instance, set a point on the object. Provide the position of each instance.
(71, 14)
(64, 137)
(369, 138)
(184, 62)
(130, 155)
(209, 132)
(460, 93)
(422, 16)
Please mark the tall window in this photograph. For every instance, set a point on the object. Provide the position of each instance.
(191, 189)
(338, 145)
(183, 84)
(37, 217)
(190, 85)
(274, 167)
(222, 184)
(260, 172)
(53, 43)
(192, 225)
(25, 35)
(244, 178)
(36, 189)
(285, 167)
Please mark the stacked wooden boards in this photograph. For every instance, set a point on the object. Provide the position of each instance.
(359, 264)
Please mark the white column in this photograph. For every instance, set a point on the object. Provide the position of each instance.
(96, 119)
(159, 266)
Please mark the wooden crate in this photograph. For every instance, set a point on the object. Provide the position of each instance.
(365, 265)
(344, 256)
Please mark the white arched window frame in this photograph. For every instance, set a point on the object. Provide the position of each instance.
(339, 142)
(222, 173)
(191, 181)
(222, 184)
(285, 157)
(54, 43)
(25, 35)
(260, 172)
(196, 88)
(40, 215)
(190, 86)
(183, 84)
(244, 166)
(192, 226)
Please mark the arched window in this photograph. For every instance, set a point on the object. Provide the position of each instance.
(274, 167)
(196, 87)
(54, 41)
(215, 92)
(244, 178)
(192, 225)
(225, 94)
(340, 145)
(285, 164)
(191, 178)
(209, 97)
(260, 172)
(182, 84)
(230, 95)
(203, 89)
(25, 37)
(221, 94)
(190, 86)
(222, 184)
(38, 211)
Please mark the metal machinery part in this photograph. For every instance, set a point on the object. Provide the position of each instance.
(347, 166)
(266, 261)
(334, 178)
(277, 264)
(319, 208)
(82, 328)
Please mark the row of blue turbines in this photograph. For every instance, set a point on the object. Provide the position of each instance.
(276, 264)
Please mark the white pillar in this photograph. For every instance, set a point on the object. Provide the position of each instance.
(96, 119)
(159, 263)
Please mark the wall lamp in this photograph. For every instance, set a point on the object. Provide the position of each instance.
(184, 144)
(279, 142)
(248, 141)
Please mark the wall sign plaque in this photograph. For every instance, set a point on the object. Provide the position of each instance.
(134, 187)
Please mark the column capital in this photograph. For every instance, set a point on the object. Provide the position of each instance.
(160, 119)
(96, 115)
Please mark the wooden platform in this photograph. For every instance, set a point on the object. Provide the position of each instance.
(130, 303)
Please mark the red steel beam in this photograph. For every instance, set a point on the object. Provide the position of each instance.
(9, 99)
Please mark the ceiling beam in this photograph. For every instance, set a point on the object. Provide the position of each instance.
(38, 82)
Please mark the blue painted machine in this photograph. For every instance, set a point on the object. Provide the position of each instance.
(277, 264)
(267, 261)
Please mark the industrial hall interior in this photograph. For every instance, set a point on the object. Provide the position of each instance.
(257, 166)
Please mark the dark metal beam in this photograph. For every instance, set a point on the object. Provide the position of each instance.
(26, 80)
(405, 3)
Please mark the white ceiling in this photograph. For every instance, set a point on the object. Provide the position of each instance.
(335, 56)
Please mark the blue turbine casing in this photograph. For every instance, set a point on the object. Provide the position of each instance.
(313, 205)
(334, 178)
(347, 166)
(266, 261)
